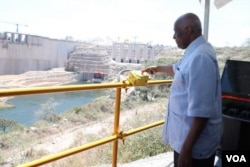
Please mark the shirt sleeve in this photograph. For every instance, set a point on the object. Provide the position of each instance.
(202, 86)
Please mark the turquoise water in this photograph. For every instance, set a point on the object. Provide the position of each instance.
(27, 107)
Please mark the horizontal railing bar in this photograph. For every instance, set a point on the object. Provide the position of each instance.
(69, 152)
(71, 88)
(142, 128)
(75, 150)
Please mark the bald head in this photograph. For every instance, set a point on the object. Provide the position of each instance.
(190, 20)
(187, 28)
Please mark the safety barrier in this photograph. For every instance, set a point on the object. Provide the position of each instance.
(117, 134)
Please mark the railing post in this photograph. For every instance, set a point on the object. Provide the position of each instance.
(116, 125)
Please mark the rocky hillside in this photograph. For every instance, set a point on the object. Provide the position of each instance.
(96, 58)
(89, 58)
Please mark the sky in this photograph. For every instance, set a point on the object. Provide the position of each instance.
(146, 21)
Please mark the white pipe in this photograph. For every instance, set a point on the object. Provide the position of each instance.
(206, 19)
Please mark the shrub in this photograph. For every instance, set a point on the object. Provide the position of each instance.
(8, 124)
(92, 111)
(48, 112)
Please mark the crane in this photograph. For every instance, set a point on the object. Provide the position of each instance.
(17, 25)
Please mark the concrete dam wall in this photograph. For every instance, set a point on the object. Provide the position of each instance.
(20, 53)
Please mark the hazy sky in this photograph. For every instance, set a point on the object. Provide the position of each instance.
(135, 20)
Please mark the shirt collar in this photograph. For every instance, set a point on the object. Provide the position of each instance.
(194, 44)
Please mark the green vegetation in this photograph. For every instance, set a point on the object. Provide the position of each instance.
(9, 125)
(47, 113)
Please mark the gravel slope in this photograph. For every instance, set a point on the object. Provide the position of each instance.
(161, 160)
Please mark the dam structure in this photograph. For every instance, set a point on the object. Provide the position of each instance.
(20, 53)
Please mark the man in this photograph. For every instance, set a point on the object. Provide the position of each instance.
(193, 122)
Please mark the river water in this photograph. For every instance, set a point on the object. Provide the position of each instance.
(27, 107)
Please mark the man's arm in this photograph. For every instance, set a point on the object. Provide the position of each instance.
(163, 69)
(185, 157)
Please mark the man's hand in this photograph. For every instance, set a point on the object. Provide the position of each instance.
(185, 158)
(150, 70)
(163, 69)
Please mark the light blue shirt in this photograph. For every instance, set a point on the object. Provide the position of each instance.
(195, 92)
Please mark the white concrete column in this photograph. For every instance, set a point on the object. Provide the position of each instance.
(122, 51)
(113, 52)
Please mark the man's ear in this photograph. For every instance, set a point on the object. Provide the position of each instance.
(189, 30)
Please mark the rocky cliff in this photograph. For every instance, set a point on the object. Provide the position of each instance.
(96, 58)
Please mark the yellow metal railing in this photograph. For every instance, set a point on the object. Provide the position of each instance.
(117, 134)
